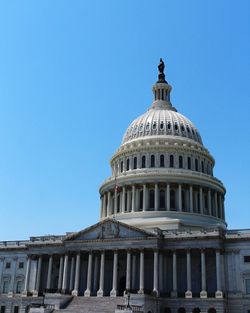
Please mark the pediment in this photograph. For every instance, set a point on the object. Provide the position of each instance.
(108, 229)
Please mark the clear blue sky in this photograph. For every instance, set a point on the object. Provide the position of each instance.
(74, 74)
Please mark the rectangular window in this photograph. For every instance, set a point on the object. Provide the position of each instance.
(247, 258)
(16, 309)
(247, 282)
(7, 265)
(5, 286)
(19, 286)
(2, 309)
(21, 265)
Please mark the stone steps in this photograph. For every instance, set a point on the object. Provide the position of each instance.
(92, 305)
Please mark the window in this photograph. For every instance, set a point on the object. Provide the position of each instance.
(162, 199)
(151, 199)
(202, 167)
(6, 286)
(7, 265)
(172, 199)
(135, 163)
(141, 200)
(118, 203)
(247, 258)
(154, 125)
(147, 126)
(182, 128)
(175, 126)
(127, 164)
(121, 166)
(196, 165)
(167, 310)
(161, 126)
(180, 162)
(21, 265)
(2, 310)
(16, 309)
(211, 310)
(152, 163)
(171, 161)
(189, 163)
(196, 310)
(181, 310)
(162, 160)
(169, 125)
(143, 161)
(19, 286)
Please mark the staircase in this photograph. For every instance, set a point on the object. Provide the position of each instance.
(92, 305)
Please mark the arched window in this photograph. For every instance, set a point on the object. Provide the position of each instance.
(172, 200)
(196, 165)
(143, 161)
(152, 163)
(151, 199)
(196, 310)
(181, 310)
(189, 163)
(162, 160)
(171, 161)
(162, 199)
(141, 200)
(161, 125)
(169, 125)
(127, 164)
(121, 166)
(211, 310)
(135, 163)
(180, 162)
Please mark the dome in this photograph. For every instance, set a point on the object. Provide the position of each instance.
(161, 120)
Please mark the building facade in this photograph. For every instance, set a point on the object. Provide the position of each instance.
(162, 241)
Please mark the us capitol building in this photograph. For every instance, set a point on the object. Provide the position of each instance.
(161, 245)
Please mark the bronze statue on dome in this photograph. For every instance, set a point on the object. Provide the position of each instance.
(161, 75)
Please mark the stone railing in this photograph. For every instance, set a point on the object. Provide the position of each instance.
(130, 308)
(12, 243)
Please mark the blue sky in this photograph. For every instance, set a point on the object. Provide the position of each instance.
(74, 74)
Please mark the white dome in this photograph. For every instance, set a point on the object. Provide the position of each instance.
(161, 120)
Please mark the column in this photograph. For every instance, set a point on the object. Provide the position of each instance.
(179, 198)
(104, 209)
(72, 270)
(156, 197)
(1, 270)
(201, 201)
(65, 274)
(141, 290)
(188, 293)
(134, 272)
(174, 291)
(219, 293)
(168, 197)
(144, 208)
(27, 276)
(77, 275)
(115, 201)
(113, 292)
(12, 281)
(203, 293)
(38, 277)
(59, 285)
(87, 292)
(191, 203)
(216, 203)
(161, 275)
(123, 198)
(128, 271)
(209, 202)
(133, 198)
(109, 204)
(156, 273)
(48, 285)
(101, 283)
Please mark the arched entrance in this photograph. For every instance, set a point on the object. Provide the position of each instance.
(196, 310)
(181, 310)
(211, 310)
(167, 310)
